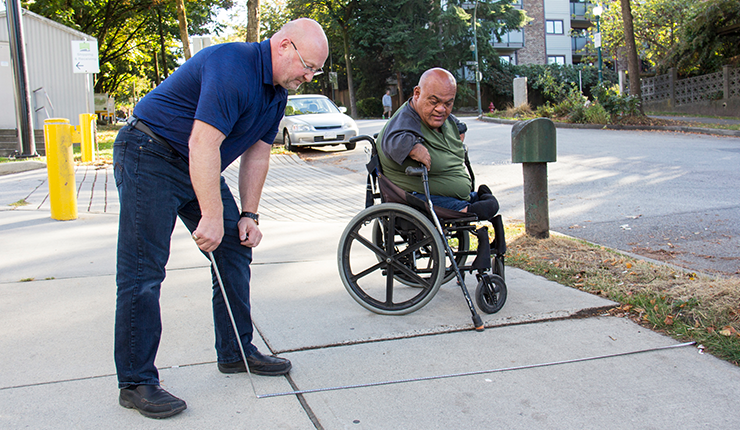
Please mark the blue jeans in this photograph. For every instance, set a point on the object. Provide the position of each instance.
(449, 202)
(484, 206)
(154, 189)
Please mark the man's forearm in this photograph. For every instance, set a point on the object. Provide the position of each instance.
(255, 163)
(205, 171)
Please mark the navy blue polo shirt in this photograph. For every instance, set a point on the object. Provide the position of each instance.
(228, 86)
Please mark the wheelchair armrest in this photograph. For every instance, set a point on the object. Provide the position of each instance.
(361, 138)
(416, 171)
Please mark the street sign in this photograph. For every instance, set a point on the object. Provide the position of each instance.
(597, 40)
(85, 56)
(334, 79)
(471, 63)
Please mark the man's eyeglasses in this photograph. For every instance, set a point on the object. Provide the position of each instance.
(315, 72)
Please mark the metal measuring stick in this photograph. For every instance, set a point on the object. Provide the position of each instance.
(231, 316)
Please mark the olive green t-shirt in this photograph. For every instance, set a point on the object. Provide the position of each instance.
(447, 176)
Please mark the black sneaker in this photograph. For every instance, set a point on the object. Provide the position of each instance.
(267, 365)
(151, 401)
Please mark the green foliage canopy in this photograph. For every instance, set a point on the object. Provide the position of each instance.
(129, 32)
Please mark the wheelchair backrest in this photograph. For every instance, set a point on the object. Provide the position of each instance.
(379, 187)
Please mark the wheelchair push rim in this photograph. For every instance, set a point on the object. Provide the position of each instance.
(371, 256)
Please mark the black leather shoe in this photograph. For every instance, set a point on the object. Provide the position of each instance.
(259, 364)
(151, 401)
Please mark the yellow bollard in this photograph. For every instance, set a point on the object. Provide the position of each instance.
(87, 136)
(60, 169)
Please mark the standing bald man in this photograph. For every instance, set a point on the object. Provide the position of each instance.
(225, 102)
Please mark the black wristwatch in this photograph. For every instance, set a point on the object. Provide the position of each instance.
(252, 215)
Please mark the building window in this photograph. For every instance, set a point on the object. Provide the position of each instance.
(556, 59)
(505, 58)
(554, 26)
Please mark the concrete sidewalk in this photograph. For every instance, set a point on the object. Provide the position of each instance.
(57, 300)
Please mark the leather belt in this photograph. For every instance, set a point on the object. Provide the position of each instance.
(139, 125)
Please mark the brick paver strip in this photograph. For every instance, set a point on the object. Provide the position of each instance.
(294, 191)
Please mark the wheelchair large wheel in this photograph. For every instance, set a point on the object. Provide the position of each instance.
(386, 243)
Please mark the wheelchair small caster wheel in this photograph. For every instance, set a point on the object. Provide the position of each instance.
(490, 295)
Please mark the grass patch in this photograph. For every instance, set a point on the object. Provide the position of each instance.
(106, 135)
(686, 115)
(525, 113)
(684, 305)
(19, 203)
(279, 149)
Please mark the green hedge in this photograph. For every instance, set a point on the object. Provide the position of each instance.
(370, 107)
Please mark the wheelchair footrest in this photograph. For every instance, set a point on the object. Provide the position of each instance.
(483, 257)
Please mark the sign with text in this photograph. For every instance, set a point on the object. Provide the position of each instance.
(85, 56)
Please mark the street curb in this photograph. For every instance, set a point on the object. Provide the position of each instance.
(710, 131)
(20, 166)
(637, 256)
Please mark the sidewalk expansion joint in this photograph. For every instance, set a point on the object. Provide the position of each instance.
(579, 314)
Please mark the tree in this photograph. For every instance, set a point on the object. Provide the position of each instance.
(656, 26)
(253, 20)
(127, 30)
(709, 40)
(633, 65)
(394, 40)
(340, 14)
(183, 23)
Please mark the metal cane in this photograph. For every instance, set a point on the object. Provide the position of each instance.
(231, 316)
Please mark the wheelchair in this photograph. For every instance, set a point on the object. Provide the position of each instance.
(394, 256)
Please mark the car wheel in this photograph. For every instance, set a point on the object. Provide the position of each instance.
(350, 146)
(286, 141)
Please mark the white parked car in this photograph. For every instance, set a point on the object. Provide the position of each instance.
(314, 120)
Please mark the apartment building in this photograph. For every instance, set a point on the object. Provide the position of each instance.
(558, 33)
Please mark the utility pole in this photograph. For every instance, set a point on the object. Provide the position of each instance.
(23, 106)
(477, 65)
(474, 48)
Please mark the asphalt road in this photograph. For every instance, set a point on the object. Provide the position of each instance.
(673, 197)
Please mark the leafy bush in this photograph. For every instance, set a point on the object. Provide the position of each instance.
(596, 114)
(553, 88)
(617, 105)
(545, 111)
(572, 107)
(370, 107)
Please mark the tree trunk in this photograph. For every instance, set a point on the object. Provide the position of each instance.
(399, 82)
(183, 20)
(633, 64)
(165, 70)
(157, 77)
(350, 84)
(253, 20)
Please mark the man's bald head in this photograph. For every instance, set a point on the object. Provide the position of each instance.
(434, 96)
(439, 76)
(297, 42)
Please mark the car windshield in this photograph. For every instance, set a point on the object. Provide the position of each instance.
(303, 106)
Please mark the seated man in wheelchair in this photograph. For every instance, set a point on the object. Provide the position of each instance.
(387, 248)
(424, 131)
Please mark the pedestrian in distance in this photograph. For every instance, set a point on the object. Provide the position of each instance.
(387, 104)
(224, 103)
